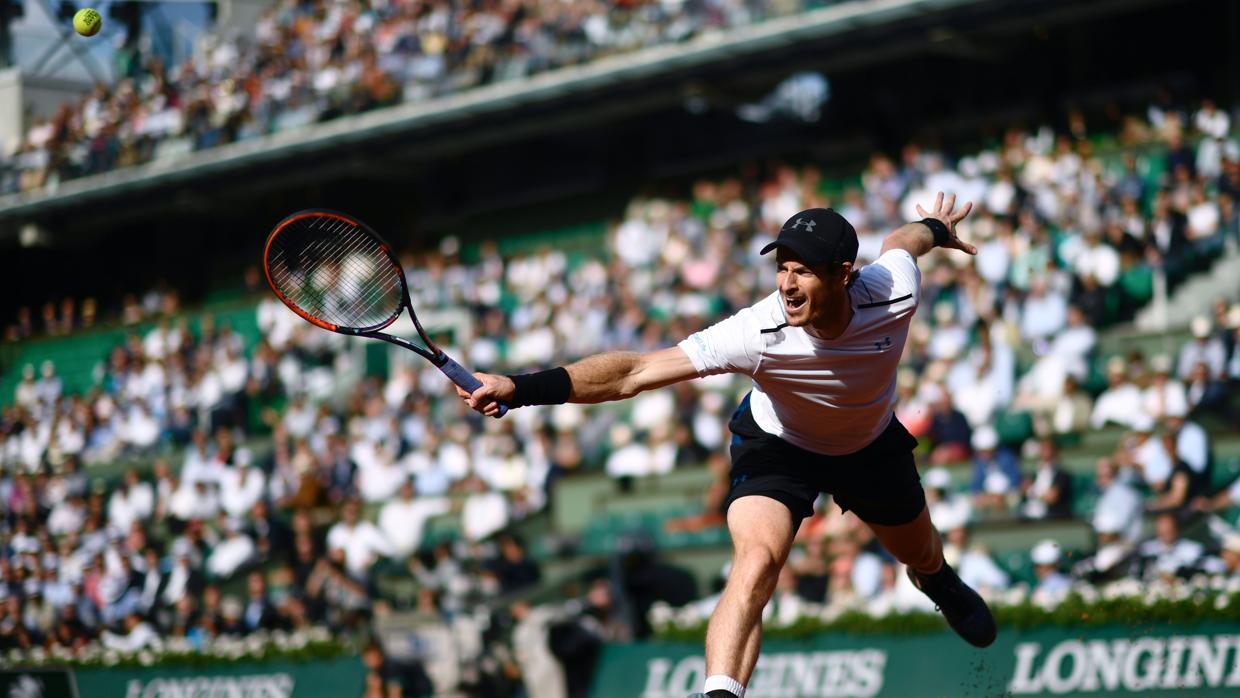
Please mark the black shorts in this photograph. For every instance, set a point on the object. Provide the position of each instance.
(879, 483)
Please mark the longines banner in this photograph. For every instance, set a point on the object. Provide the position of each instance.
(1200, 660)
(321, 679)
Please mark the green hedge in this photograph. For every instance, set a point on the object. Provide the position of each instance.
(318, 645)
(1073, 612)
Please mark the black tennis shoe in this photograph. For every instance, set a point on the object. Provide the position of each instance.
(964, 610)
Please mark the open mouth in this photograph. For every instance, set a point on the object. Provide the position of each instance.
(794, 303)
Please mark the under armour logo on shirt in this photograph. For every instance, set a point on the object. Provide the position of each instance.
(809, 224)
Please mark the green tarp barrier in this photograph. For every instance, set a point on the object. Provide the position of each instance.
(36, 683)
(1112, 661)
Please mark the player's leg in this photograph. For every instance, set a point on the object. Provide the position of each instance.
(916, 543)
(762, 533)
(883, 489)
(768, 498)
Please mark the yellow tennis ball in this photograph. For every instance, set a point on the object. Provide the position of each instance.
(87, 21)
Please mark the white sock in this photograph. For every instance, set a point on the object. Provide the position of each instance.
(719, 682)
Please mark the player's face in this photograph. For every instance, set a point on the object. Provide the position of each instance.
(807, 292)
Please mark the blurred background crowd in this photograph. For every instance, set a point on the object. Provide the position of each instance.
(282, 486)
(243, 475)
(309, 62)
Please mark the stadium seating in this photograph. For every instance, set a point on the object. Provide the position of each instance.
(326, 423)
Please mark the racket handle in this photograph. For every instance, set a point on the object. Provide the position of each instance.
(462, 377)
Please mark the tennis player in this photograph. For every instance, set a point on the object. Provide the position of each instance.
(822, 351)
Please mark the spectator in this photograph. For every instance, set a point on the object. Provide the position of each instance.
(484, 511)
(1114, 555)
(1048, 494)
(194, 501)
(1204, 348)
(1075, 344)
(183, 581)
(270, 534)
(1224, 327)
(1147, 454)
(1192, 445)
(1118, 507)
(1093, 258)
(1071, 414)
(234, 551)
(996, 473)
(1230, 555)
(241, 487)
(259, 612)
(1167, 552)
(1164, 395)
(1121, 402)
(360, 541)
(944, 505)
(629, 457)
(1044, 313)
(1222, 500)
(138, 635)
(388, 679)
(514, 569)
(974, 565)
(1204, 393)
(403, 520)
(1052, 585)
(1214, 125)
(950, 434)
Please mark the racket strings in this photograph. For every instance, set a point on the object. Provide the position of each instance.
(335, 271)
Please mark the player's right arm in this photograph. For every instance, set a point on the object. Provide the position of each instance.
(733, 345)
(619, 375)
(615, 375)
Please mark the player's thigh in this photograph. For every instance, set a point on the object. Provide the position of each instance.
(762, 531)
(769, 467)
(770, 494)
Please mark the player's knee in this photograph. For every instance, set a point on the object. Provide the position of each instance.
(755, 568)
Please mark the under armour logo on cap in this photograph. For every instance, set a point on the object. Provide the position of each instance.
(836, 242)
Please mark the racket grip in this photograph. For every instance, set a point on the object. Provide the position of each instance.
(462, 377)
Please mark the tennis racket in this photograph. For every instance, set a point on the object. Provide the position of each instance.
(338, 274)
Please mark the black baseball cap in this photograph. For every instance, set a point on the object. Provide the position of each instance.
(818, 236)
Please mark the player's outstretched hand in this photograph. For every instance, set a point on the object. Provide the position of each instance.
(485, 400)
(943, 212)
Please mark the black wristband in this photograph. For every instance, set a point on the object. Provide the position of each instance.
(942, 235)
(551, 387)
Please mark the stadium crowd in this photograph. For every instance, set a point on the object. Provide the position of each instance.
(308, 62)
(229, 539)
(70, 314)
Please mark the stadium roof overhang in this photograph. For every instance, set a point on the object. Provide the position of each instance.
(523, 105)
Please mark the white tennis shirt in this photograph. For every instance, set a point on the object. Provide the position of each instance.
(831, 396)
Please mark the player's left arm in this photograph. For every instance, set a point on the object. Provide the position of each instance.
(919, 237)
